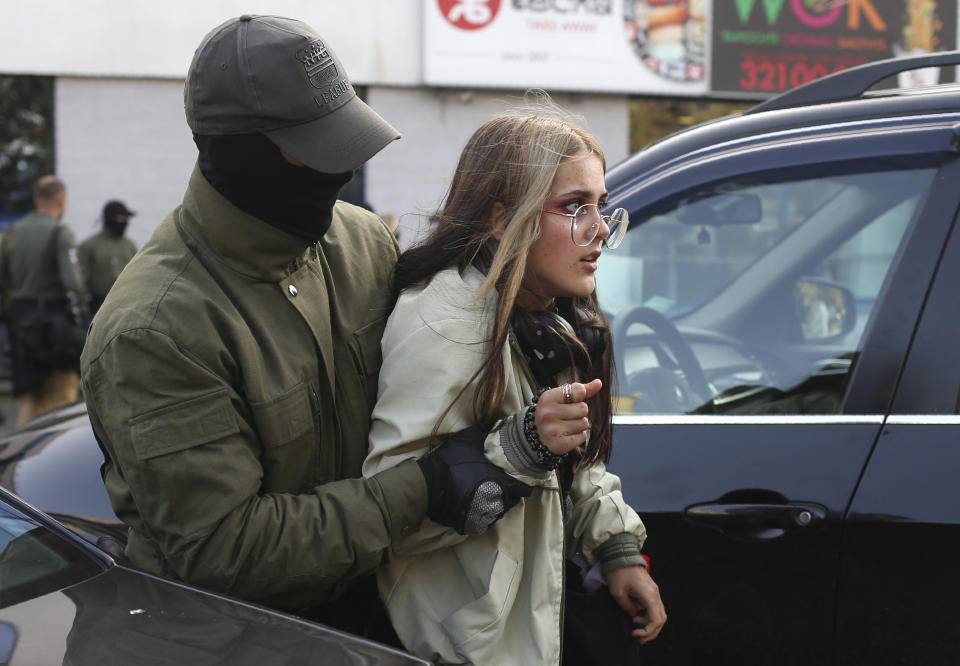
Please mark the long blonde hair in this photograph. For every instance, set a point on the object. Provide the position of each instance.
(510, 160)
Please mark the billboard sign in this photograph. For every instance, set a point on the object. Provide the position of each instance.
(654, 47)
(762, 47)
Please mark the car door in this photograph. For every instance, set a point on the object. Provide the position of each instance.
(898, 591)
(743, 468)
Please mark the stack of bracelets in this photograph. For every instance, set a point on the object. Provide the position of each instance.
(546, 458)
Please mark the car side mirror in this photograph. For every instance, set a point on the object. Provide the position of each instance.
(826, 310)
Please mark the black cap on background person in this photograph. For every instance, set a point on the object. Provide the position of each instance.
(115, 208)
(116, 216)
(266, 96)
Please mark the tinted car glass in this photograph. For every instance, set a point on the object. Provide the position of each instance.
(772, 278)
(35, 561)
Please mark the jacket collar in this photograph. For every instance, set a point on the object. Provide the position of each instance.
(243, 242)
(37, 216)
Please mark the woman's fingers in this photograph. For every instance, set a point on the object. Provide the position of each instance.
(561, 415)
(552, 397)
(562, 428)
(561, 444)
(571, 394)
(588, 390)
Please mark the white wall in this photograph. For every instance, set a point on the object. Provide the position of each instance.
(120, 131)
(128, 139)
(377, 40)
(410, 176)
(125, 139)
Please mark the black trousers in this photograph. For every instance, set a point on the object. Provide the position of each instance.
(359, 611)
(27, 373)
(596, 631)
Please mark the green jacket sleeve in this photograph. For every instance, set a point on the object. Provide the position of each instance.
(184, 469)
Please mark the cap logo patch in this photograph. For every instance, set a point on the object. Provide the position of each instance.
(318, 64)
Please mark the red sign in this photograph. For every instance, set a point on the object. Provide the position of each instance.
(469, 14)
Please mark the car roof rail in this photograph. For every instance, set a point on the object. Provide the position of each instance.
(851, 83)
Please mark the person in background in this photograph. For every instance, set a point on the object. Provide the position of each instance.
(38, 271)
(231, 370)
(103, 255)
(497, 328)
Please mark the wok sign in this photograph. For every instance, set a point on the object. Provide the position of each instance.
(762, 47)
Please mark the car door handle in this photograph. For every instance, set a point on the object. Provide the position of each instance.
(758, 522)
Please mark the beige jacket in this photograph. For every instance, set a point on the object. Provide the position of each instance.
(495, 598)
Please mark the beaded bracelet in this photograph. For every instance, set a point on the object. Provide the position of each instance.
(547, 458)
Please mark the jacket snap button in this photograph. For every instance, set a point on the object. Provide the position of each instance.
(292, 290)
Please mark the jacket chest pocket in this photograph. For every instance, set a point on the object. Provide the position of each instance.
(358, 366)
(289, 433)
(367, 357)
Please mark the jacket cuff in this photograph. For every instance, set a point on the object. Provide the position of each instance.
(620, 550)
(404, 497)
(518, 450)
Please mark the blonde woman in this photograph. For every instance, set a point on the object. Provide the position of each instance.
(497, 326)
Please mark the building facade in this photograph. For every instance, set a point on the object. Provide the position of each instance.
(435, 69)
(120, 130)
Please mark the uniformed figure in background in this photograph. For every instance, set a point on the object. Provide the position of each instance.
(39, 272)
(103, 255)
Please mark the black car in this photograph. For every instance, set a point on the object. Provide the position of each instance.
(783, 313)
(62, 600)
(53, 462)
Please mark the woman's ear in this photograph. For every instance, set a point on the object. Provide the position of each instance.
(498, 220)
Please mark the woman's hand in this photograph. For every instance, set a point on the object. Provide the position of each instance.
(561, 416)
(634, 589)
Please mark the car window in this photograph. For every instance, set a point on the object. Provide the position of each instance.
(35, 561)
(677, 259)
(752, 295)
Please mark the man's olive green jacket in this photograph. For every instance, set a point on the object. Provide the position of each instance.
(230, 376)
(26, 268)
(102, 257)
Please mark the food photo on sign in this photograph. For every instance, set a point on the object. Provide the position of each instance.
(669, 36)
(920, 34)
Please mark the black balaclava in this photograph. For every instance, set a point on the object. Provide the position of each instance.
(115, 227)
(250, 172)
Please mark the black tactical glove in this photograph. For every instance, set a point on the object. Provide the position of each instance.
(465, 490)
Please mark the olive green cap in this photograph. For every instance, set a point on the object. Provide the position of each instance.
(278, 77)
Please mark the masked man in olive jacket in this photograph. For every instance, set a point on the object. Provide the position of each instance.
(103, 255)
(231, 371)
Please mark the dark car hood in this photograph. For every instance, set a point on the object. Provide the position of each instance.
(53, 462)
(124, 616)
